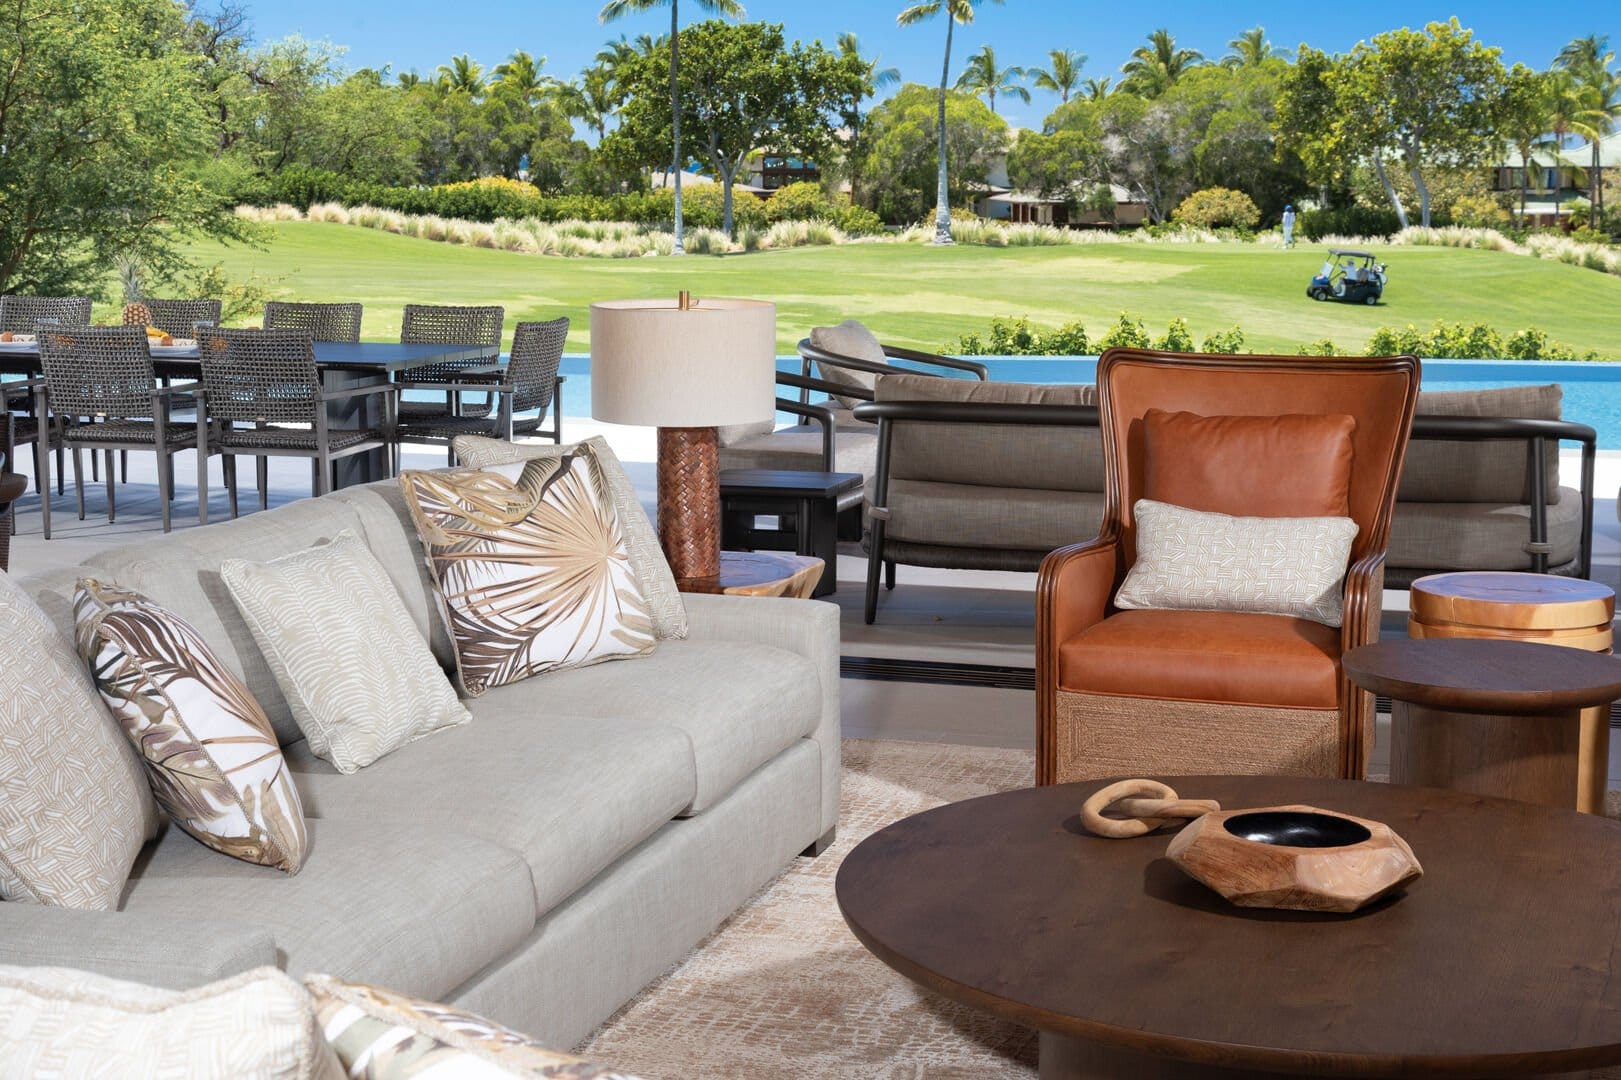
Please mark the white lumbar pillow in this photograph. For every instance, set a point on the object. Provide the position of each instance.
(1189, 560)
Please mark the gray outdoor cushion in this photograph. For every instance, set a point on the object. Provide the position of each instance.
(1480, 536)
(738, 704)
(849, 338)
(965, 515)
(413, 906)
(1050, 458)
(1443, 471)
(181, 573)
(569, 789)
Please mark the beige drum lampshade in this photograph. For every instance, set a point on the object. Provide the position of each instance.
(656, 364)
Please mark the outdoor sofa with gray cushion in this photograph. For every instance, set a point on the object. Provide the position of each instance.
(538, 865)
(992, 476)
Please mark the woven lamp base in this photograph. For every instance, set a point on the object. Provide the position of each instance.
(689, 501)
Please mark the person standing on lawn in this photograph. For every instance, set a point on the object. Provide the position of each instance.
(1289, 226)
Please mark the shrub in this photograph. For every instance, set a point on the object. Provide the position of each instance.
(1127, 333)
(855, 220)
(1177, 337)
(1229, 341)
(1480, 211)
(800, 201)
(1320, 347)
(1218, 207)
(1346, 221)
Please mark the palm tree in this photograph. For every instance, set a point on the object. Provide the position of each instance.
(1096, 89)
(521, 76)
(463, 74)
(982, 76)
(591, 100)
(957, 11)
(1063, 76)
(1595, 104)
(1250, 49)
(409, 80)
(615, 9)
(1155, 67)
(874, 80)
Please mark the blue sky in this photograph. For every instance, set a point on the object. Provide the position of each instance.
(422, 34)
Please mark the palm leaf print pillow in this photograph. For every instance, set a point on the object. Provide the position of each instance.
(210, 754)
(531, 568)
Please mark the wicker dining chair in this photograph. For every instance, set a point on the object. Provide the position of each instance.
(178, 318)
(18, 314)
(322, 322)
(23, 428)
(430, 324)
(12, 487)
(529, 384)
(267, 381)
(102, 395)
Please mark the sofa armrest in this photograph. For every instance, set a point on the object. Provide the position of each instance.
(158, 950)
(807, 627)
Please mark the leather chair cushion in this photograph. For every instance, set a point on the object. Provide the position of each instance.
(1291, 465)
(1211, 656)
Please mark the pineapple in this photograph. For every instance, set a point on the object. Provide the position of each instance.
(129, 276)
(137, 314)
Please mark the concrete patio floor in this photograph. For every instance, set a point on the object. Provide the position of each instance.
(952, 616)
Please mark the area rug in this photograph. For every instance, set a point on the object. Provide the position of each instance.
(783, 989)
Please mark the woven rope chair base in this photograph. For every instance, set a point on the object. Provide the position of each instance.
(1104, 735)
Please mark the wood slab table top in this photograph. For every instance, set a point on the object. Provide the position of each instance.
(1500, 961)
(760, 573)
(1485, 676)
(1503, 600)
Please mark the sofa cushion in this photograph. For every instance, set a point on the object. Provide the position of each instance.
(60, 1022)
(74, 804)
(1211, 656)
(641, 539)
(963, 515)
(1447, 471)
(849, 338)
(408, 904)
(1284, 466)
(357, 674)
(1055, 458)
(738, 704)
(209, 753)
(569, 790)
(532, 568)
(181, 573)
(1480, 536)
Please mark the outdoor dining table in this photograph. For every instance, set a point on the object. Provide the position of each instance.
(342, 365)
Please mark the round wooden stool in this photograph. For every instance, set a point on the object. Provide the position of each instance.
(1540, 608)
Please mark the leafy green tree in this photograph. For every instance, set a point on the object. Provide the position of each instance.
(956, 11)
(1596, 89)
(615, 9)
(464, 75)
(107, 137)
(983, 76)
(1523, 111)
(1061, 165)
(741, 90)
(900, 172)
(1062, 73)
(520, 75)
(1251, 49)
(873, 79)
(591, 100)
(1155, 67)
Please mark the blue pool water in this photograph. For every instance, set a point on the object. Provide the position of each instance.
(1592, 390)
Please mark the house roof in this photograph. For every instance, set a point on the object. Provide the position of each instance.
(1579, 155)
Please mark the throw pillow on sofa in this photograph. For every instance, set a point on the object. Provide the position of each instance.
(259, 1025)
(641, 539)
(357, 673)
(210, 754)
(531, 567)
(73, 803)
(1188, 560)
(381, 1035)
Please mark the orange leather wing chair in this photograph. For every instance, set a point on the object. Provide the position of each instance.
(1167, 692)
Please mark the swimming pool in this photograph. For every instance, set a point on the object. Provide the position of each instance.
(1592, 390)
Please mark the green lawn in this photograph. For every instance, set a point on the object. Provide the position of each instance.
(924, 297)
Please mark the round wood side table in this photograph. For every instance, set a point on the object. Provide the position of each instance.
(759, 573)
(1528, 607)
(1488, 717)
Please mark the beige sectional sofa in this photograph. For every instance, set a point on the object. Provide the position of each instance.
(538, 865)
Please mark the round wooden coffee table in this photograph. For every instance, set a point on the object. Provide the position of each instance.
(1499, 961)
(1488, 716)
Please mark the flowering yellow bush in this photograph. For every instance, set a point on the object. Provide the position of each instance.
(521, 188)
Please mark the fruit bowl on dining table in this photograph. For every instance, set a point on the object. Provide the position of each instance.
(17, 342)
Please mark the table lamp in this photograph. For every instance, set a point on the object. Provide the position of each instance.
(685, 367)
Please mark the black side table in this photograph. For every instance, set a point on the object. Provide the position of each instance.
(805, 505)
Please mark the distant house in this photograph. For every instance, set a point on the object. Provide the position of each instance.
(1552, 180)
(998, 199)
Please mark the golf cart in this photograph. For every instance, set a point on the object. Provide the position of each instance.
(1351, 277)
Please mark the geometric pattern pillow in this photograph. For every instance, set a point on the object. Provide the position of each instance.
(664, 600)
(381, 1035)
(60, 1022)
(1191, 560)
(530, 568)
(355, 669)
(74, 805)
(209, 751)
